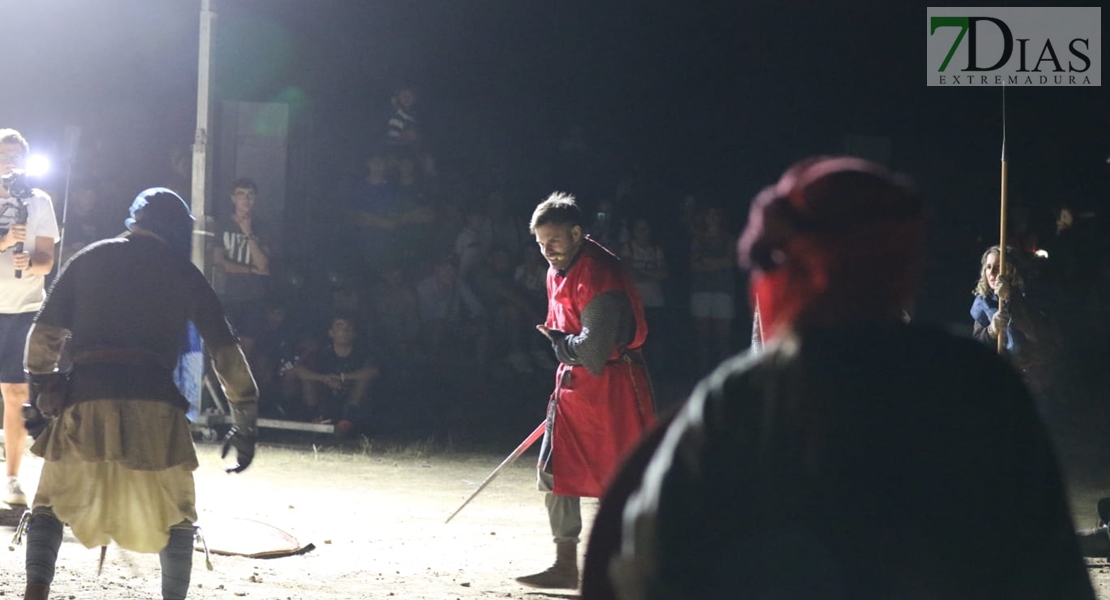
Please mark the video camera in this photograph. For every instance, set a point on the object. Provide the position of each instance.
(16, 184)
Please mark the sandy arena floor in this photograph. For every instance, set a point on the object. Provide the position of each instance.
(376, 518)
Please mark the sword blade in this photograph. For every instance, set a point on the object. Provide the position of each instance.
(525, 445)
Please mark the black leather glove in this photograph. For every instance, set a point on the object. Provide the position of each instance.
(49, 392)
(34, 420)
(243, 435)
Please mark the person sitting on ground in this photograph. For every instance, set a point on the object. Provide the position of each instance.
(277, 347)
(510, 307)
(453, 319)
(397, 321)
(335, 378)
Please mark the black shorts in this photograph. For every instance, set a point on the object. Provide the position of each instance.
(13, 345)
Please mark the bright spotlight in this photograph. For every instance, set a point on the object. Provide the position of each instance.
(37, 165)
(1041, 253)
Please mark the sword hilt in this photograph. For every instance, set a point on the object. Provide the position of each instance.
(20, 530)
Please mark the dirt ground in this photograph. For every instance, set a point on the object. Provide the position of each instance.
(376, 517)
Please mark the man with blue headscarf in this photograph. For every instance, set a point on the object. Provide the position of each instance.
(119, 455)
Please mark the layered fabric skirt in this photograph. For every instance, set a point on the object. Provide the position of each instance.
(119, 470)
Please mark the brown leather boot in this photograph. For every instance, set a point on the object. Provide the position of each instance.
(37, 591)
(561, 575)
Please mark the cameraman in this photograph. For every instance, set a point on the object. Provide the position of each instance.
(22, 296)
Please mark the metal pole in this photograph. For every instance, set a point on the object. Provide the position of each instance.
(200, 140)
(199, 192)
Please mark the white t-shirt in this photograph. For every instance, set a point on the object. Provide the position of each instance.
(25, 294)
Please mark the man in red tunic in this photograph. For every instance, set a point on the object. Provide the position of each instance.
(602, 401)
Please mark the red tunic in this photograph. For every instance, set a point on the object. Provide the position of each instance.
(592, 421)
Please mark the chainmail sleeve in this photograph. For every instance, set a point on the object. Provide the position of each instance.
(607, 322)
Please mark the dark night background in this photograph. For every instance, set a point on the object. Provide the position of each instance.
(712, 98)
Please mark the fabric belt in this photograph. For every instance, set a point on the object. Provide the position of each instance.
(123, 374)
(117, 356)
(627, 355)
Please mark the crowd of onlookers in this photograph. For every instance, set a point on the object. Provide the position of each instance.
(418, 300)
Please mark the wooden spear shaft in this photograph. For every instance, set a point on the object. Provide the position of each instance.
(1002, 221)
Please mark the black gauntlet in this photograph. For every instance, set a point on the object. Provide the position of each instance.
(48, 392)
(243, 435)
(34, 420)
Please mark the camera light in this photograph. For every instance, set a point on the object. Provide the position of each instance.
(37, 165)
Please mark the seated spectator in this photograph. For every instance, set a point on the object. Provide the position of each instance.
(417, 226)
(348, 293)
(278, 346)
(397, 319)
(382, 217)
(511, 307)
(531, 274)
(374, 212)
(241, 264)
(452, 317)
(506, 228)
(335, 378)
(474, 241)
(409, 184)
